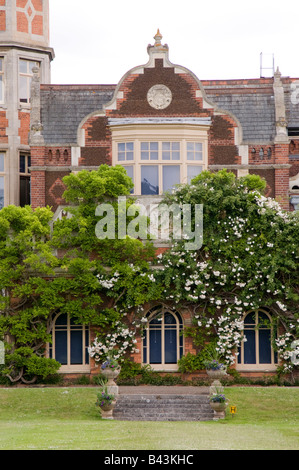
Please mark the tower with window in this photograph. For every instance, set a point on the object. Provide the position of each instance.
(24, 43)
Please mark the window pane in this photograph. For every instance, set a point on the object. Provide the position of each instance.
(165, 146)
(144, 150)
(149, 151)
(32, 65)
(125, 151)
(170, 150)
(1, 192)
(171, 176)
(1, 89)
(24, 191)
(194, 151)
(24, 98)
(192, 171)
(130, 173)
(23, 66)
(249, 347)
(61, 347)
(165, 155)
(1, 161)
(149, 180)
(264, 347)
(76, 347)
(250, 319)
(22, 163)
(170, 338)
(155, 346)
(1, 64)
(144, 155)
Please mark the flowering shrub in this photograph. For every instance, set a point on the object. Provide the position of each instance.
(110, 363)
(114, 345)
(104, 398)
(248, 261)
(214, 365)
(218, 398)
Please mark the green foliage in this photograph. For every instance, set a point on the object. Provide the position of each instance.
(25, 365)
(249, 259)
(56, 267)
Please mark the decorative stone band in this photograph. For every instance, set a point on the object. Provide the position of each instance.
(204, 121)
(277, 166)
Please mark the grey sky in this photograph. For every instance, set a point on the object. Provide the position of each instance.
(96, 41)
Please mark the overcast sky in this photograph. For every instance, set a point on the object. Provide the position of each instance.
(98, 41)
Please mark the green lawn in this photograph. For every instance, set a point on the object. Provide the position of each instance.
(66, 418)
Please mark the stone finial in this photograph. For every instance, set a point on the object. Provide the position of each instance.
(280, 110)
(36, 127)
(158, 38)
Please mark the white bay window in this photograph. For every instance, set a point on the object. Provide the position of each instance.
(157, 157)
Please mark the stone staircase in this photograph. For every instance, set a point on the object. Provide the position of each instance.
(164, 407)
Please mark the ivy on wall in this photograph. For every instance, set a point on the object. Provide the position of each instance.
(248, 260)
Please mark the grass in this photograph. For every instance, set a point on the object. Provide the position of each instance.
(66, 419)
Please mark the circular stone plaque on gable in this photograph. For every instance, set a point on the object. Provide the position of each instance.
(159, 96)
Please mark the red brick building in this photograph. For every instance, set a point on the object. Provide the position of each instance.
(160, 122)
(152, 121)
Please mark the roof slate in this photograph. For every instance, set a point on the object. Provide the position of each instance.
(63, 107)
(253, 107)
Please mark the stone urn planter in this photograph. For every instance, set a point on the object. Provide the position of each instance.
(216, 374)
(105, 402)
(107, 410)
(110, 369)
(111, 374)
(219, 404)
(216, 371)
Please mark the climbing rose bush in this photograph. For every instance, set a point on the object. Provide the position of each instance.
(116, 344)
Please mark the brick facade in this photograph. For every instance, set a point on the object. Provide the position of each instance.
(242, 122)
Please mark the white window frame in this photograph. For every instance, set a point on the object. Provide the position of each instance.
(3, 175)
(156, 311)
(27, 75)
(75, 368)
(257, 366)
(137, 134)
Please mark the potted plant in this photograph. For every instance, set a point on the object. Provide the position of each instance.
(215, 369)
(218, 403)
(110, 369)
(106, 402)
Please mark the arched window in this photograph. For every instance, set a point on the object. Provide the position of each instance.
(163, 341)
(69, 344)
(256, 352)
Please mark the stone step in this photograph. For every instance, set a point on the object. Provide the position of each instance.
(163, 408)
